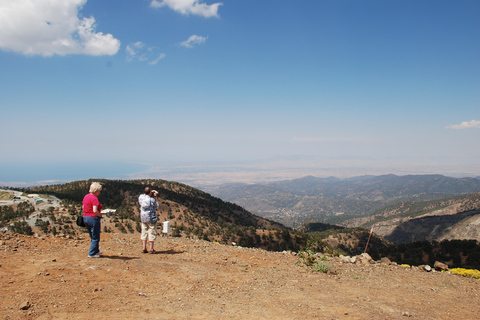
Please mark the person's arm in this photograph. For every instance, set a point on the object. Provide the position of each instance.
(97, 213)
(155, 205)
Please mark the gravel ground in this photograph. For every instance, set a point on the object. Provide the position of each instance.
(52, 278)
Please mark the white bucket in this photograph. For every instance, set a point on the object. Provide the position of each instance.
(166, 227)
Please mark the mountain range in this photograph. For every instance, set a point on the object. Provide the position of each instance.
(196, 214)
(333, 200)
(443, 219)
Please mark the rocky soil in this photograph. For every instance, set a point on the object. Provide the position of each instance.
(52, 278)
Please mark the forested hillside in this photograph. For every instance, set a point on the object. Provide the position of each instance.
(198, 215)
(192, 212)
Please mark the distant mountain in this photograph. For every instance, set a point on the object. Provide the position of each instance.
(332, 200)
(461, 226)
(449, 218)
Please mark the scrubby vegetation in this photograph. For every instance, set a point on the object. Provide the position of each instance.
(192, 213)
(353, 241)
(456, 253)
(470, 273)
(12, 213)
(195, 214)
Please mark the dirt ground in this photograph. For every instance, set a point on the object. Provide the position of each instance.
(52, 278)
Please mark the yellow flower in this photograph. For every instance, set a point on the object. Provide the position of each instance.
(470, 273)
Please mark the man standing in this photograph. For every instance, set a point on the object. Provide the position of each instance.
(148, 215)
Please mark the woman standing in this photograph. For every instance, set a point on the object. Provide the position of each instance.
(92, 214)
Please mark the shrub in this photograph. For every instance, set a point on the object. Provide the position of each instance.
(470, 273)
(321, 266)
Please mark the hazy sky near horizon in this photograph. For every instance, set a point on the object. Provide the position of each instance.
(190, 80)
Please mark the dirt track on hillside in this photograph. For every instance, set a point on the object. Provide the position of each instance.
(191, 279)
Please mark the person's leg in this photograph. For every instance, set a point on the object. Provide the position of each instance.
(144, 237)
(95, 236)
(93, 229)
(152, 234)
(88, 225)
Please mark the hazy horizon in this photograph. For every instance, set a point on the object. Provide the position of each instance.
(215, 173)
(381, 86)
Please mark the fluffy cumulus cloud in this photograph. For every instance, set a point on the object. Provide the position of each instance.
(49, 27)
(187, 7)
(465, 125)
(193, 40)
(140, 52)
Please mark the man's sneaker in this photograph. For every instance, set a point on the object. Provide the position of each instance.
(94, 256)
(99, 252)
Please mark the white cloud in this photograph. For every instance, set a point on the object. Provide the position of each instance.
(330, 139)
(465, 125)
(138, 51)
(132, 49)
(40, 27)
(160, 57)
(187, 7)
(193, 40)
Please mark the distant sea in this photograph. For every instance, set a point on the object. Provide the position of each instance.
(23, 172)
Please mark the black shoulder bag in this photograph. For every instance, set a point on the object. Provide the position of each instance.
(80, 222)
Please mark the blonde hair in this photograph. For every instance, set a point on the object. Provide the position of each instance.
(94, 187)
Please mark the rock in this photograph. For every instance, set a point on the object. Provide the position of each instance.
(332, 271)
(366, 256)
(344, 259)
(25, 306)
(425, 268)
(386, 261)
(440, 266)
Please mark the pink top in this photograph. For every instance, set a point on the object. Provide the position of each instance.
(88, 202)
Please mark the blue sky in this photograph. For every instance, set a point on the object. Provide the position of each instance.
(190, 81)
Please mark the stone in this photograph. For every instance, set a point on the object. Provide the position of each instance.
(345, 259)
(332, 271)
(440, 266)
(425, 268)
(386, 261)
(25, 305)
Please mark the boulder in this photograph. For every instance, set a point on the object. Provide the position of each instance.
(440, 266)
(366, 256)
(346, 259)
(425, 268)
